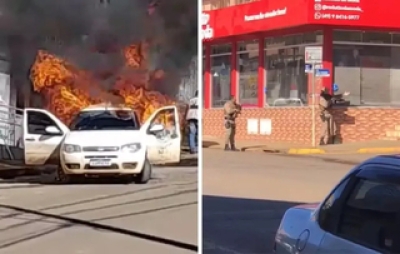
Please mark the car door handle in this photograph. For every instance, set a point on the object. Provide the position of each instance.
(29, 139)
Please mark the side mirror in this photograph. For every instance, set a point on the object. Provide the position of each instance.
(52, 130)
(156, 128)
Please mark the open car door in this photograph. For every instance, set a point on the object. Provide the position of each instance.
(43, 135)
(163, 136)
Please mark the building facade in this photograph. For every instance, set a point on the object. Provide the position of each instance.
(261, 51)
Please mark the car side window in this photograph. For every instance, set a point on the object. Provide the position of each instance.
(370, 216)
(327, 212)
(37, 123)
(168, 120)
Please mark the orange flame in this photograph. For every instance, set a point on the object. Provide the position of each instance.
(68, 90)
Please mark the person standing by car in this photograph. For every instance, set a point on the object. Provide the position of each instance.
(328, 123)
(231, 111)
(192, 119)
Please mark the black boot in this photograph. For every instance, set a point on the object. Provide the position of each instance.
(233, 148)
(321, 142)
(227, 148)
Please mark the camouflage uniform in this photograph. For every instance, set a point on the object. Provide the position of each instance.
(328, 130)
(230, 114)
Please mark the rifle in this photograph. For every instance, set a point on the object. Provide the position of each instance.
(239, 110)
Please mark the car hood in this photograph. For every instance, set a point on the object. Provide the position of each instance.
(103, 137)
(312, 206)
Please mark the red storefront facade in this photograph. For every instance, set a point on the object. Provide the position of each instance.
(257, 52)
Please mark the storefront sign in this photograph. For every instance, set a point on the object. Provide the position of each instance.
(259, 16)
(322, 73)
(253, 17)
(308, 68)
(313, 55)
(350, 10)
(335, 87)
(355, 12)
(266, 15)
(206, 30)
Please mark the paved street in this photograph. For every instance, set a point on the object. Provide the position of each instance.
(160, 217)
(246, 194)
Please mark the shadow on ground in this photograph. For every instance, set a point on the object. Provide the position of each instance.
(16, 179)
(237, 225)
(207, 144)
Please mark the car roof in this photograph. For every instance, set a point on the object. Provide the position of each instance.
(391, 159)
(105, 106)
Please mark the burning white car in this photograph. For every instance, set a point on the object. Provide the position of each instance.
(102, 140)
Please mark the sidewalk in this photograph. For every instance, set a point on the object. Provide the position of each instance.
(369, 147)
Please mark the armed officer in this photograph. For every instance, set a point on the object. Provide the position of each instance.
(328, 123)
(231, 111)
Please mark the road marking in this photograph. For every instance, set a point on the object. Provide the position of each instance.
(207, 245)
(244, 212)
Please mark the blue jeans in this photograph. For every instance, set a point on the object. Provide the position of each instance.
(193, 136)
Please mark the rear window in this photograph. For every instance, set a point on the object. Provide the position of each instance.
(105, 120)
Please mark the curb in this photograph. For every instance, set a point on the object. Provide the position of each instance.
(304, 151)
(379, 150)
(310, 151)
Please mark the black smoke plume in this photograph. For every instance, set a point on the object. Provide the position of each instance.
(87, 32)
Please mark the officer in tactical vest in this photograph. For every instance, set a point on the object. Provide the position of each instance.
(231, 111)
(329, 129)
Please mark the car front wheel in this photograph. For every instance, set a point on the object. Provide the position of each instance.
(61, 177)
(144, 176)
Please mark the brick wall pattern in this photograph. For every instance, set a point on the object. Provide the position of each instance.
(294, 125)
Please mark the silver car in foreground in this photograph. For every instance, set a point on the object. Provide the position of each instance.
(361, 215)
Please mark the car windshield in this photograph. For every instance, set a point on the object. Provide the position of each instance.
(105, 120)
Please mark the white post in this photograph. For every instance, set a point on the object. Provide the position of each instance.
(313, 122)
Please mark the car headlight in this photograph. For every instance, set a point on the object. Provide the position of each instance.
(131, 148)
(68, 148)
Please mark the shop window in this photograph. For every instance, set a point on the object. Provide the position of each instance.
(286, 78)
(314, 37)
(369, 73)
(396, 38)
(221, 49)
(247, 67)
(220, 74)
(376, 37)
(293, 40)
(275, 42)
(347, 36)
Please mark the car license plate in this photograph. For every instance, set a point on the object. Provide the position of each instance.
(100, 163)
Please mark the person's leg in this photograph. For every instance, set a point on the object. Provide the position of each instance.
(232, 137)
(197, 136)
(328, 130)
(228, 132)
(333, 130)
(324, 130)
(192, 137)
